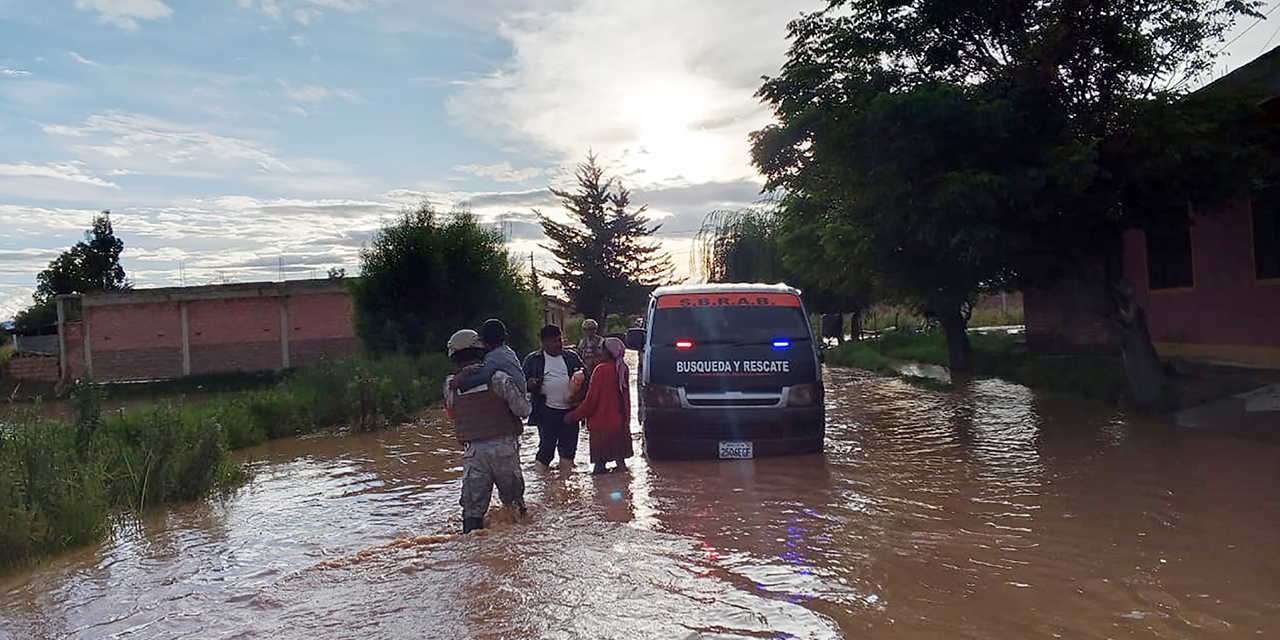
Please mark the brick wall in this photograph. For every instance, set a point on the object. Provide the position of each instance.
(1066, 316)
(139, 335)
(319, 326)
(234, 335)
(135, 341)
(31, 367)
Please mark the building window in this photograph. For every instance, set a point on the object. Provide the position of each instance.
(1266, 236)
(1169, 263)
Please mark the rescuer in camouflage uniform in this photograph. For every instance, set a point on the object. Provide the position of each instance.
(488, 420)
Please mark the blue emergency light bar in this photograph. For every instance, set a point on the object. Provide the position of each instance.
(781, 343)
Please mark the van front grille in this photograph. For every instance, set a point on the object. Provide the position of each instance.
(734, 402)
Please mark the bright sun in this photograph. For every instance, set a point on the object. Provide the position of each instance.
(670, 144)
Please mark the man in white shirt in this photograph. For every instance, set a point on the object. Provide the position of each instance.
(548, 373)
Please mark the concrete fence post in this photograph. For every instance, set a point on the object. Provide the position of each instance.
(62, 338)
(88, 350)
(284, 331)
(186, 340)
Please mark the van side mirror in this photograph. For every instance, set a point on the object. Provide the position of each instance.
(636, 339)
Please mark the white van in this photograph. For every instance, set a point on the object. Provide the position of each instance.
(728, 371)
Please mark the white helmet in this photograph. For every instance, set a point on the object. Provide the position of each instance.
(463, 340)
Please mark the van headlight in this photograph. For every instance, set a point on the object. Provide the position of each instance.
(805, 395)
(662, 397)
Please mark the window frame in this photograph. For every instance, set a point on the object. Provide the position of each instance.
(1191, 259)
(1258, 278)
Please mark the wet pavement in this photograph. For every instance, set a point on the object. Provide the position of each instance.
(985, 512)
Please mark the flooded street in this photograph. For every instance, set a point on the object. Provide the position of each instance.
(981, 513)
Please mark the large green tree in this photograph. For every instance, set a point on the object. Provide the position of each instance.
(90, 265)
(608, 259)
(426, 276)
(964, 145)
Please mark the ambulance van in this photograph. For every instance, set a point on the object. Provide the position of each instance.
(728, 371)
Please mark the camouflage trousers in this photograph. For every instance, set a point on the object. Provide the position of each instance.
(486, 463)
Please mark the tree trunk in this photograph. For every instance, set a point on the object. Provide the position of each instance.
(959, 351)
(1142, 369)
(1114, 295)
(855, 326)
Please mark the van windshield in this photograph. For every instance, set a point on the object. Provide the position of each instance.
(730, 325)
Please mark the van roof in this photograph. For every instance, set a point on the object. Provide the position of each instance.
(697, 289)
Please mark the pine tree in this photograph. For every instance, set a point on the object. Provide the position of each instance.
(607, 257)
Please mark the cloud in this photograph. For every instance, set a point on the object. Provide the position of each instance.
(502, 172)
(15, 300)
(314, 94)
(306, 11)
(126, 13)
(146, 144)
(82, 60)
(668, 99)
(14, 73)
(64, 171)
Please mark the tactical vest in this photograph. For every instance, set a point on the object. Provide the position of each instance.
(482, 415)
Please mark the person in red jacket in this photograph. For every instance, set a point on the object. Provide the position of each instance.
(607, 409)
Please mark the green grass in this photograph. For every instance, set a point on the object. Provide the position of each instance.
(861, 355)
(61, 480)
(6, 352)
(199, 384)
(997, 355)
(997, 318)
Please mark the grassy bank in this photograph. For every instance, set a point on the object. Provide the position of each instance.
(997, 355)
(60, 481)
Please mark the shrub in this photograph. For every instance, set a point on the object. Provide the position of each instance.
(60, 480)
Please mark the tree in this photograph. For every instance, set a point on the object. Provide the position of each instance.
(337, 273)
(773, 244)
(88, 266)
(964, 146)
(607, 259)
(426, 276)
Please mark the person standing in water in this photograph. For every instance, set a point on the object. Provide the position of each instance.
(488, 422)
(549, 373)
(607, 409)
(591, 347)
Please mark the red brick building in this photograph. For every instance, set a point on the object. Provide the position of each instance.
(149, 334)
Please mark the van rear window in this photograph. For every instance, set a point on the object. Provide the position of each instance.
(738, 325)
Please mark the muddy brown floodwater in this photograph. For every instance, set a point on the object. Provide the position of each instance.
(987, 512)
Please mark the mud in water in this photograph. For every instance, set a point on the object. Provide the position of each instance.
(986, 512)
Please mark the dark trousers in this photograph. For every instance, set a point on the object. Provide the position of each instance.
(555, 434)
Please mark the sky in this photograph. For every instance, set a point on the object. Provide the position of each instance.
(247, 140)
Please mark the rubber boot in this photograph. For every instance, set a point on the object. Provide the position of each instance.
(599, 470)
(471, 524)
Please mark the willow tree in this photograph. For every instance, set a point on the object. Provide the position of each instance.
(964, 144)
(740, 246)
(773, 243)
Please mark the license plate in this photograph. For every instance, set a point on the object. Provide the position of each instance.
(736, 451)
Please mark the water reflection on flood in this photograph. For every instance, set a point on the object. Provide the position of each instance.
(986, 512)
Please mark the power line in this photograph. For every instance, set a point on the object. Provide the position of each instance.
(1273, 37)
(1247, 30)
